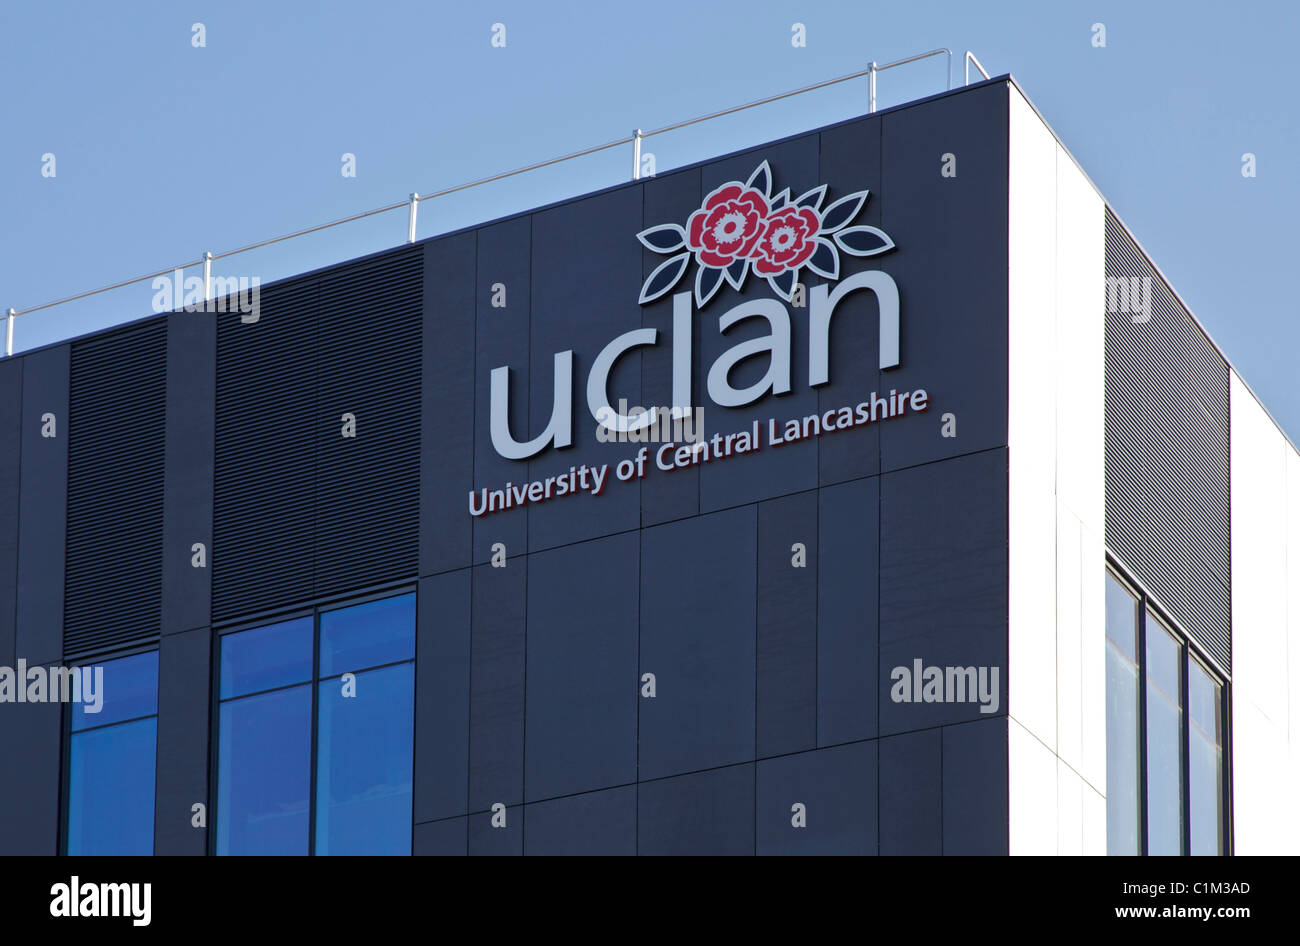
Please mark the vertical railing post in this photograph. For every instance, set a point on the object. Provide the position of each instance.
(9, 332)
(871, 86)
(636, 155)
(207, 276)
(410, 227)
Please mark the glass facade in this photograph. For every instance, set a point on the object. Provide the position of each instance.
(1205, 759)
(336, 687)
(1164, 771)
(1123, 737)
(112, 756)
(1165, 778)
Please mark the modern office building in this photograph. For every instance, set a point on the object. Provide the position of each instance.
(970, 540)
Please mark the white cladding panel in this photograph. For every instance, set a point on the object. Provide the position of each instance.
(1265, 630)
(1056, 436)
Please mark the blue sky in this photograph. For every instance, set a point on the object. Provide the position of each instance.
(164, 150)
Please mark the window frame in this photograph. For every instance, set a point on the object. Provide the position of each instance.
(1188, 648)
(65, 748)
(312, 610)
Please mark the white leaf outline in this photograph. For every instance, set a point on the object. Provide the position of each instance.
(681, 261)
(701, 298)
(787, 295)
(737, 281)
(644, 235)
(812, 198)
(839, 235)
(766, 189)
(834, 271)
(859, 196)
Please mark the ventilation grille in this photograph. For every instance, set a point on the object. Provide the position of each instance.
(1167, 448)
(116, 431)
(368, 486)
(264, 486)
(299, 510)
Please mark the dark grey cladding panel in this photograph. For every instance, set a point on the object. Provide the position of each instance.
(11, 392)
(502, 840)
(581, 688)
(848, 609)
(595, 823)
(671, 198)
(951, 269)
(42, 516)
(447, 438)
(497, 671)
(698, 592)
(189, 457)
(943, 584)
(976, 788)
(586, 273)
(1167, 451)
(442, 665)
(788, 564)
(501, 339)
(911, 793)
(184, 672)
(704, 813)
(116, 447)
(836, 788)
(29, 778)
(449, 838)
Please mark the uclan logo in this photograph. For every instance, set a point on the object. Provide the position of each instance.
(740, 229)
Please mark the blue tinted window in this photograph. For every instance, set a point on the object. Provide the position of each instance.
(1123, 748)
(1204, 760)
(1164, 741)
(111, 789)
(363, 763)
(264, 758)
(117, 690)
(367, 635)
(266, 657)
(270, 699)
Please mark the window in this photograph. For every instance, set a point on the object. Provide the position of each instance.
(1205, 759)
(1164, 770)
(1123, 738)
(316, 733)
(1165, 789)
(112, 754)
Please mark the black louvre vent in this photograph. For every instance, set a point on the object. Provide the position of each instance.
(1167, 448)
(368, 486)
(116, 431)
(266, 453)
(299, 510)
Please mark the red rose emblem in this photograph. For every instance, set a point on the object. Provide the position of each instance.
(728, 225)
(788, 239)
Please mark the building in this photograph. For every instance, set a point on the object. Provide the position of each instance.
(992, 552)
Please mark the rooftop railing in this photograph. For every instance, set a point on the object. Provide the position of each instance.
(413, 202)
